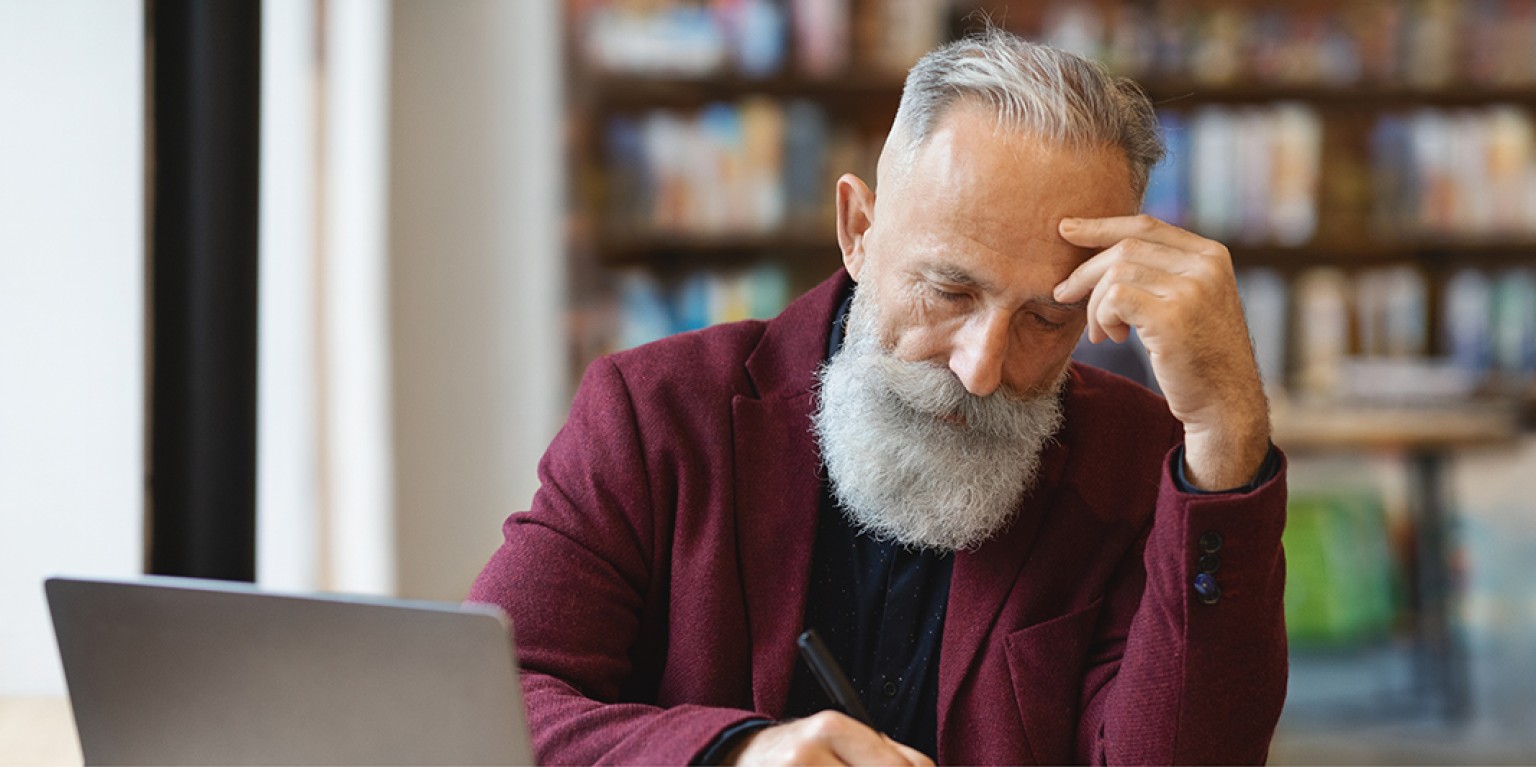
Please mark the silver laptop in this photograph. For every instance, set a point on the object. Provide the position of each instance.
(181, 671)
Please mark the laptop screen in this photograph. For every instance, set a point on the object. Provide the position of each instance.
(183, 671)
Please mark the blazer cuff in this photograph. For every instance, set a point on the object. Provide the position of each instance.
(715, 752)
(1267, 472)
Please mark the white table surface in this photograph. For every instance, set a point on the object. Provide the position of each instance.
(37, 732)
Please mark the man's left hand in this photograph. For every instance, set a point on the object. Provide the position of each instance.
(1179, 292)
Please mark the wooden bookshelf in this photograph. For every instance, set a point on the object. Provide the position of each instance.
(1349, 235)
(855, 91)
(627, 91)
(1364, 97)
(806, 244)
(862, 99)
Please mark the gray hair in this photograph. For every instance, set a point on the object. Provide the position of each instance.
(1059, 96)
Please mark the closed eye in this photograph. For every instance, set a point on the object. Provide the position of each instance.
(1045, 323)
(950, 296)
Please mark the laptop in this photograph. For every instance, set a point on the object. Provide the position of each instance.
(181, 671)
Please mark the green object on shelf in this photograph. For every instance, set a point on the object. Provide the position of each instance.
(1339, 590)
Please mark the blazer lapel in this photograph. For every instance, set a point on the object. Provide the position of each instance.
(984, 578)
(777, 492)
(777, 484)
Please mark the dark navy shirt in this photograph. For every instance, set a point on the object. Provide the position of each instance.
(880, 609)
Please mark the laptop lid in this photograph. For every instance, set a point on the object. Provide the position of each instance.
(183, 671)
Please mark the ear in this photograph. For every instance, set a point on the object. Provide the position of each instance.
(855, 215)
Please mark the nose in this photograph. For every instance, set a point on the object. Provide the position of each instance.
(978, 353)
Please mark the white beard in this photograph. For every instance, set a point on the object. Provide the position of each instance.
(914, 457)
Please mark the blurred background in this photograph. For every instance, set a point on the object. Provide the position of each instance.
(347, 258)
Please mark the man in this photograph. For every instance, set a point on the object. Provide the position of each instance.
(1017, 559)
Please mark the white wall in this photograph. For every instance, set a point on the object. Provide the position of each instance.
(71, 312)
(354, 414)
(476, 277)
(288, 503)
(412, 338)
(325, 511)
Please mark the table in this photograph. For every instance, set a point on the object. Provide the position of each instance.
(1428, 436)
(37, 731)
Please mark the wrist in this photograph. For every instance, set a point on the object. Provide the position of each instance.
(1221, 459)
(729, 745)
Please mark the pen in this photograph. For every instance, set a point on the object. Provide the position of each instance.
(831, 676)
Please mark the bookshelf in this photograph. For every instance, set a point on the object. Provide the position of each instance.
(1393, 225)
(672, 181)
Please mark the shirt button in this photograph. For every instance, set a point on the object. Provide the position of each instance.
(1210, 543)
(1207, 588)
(889, 689)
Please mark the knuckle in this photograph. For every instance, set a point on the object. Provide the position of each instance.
(1217, 255)
(1113, 254)
(799, 752)
(1137, 247)
(1211, 269)
(823, 724)
(1214, 249)
(1117, 294)
(1120, 271)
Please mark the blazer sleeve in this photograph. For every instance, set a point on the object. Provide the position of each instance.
(1197, 675)
(577, 577)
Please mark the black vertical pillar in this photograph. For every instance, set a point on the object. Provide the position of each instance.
(205, 98)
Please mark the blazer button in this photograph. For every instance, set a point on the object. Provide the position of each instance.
(1208, 563)
(1207, 588)
(889, 689)
(1210, 543)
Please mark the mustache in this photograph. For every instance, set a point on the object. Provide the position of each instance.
(933, 390)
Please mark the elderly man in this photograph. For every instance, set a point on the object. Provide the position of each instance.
(1017, 559)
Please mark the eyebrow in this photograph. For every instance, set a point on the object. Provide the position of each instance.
(957, 276)
(1079, 305)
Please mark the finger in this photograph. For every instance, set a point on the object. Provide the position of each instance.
(802, 741)
(849, 741)
(872, 748)
(854, 743)
(815, 755)
(1141, 257)
(1103, 276)
(788, 749)
(1104, 232)
(1120, 307)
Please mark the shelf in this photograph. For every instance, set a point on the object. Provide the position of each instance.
(616, 248)
(637, 91)
(740, 248)
(642, 91)
(1378, 252)
(1414, 428)
(1166, 94)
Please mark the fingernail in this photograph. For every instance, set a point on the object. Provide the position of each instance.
(1059, 291)
(1068, 224)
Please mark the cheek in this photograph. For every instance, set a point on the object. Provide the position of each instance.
(1038, 358)
(917, 341)
(907, 328)
(923, 335)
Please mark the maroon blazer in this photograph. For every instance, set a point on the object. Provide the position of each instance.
(658, 583)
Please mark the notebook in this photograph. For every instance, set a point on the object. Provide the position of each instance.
(181, 671)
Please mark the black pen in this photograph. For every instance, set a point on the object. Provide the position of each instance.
(831, 676)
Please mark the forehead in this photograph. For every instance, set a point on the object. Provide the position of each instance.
(1004, 191)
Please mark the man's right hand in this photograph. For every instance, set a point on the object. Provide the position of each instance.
(829, 737)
